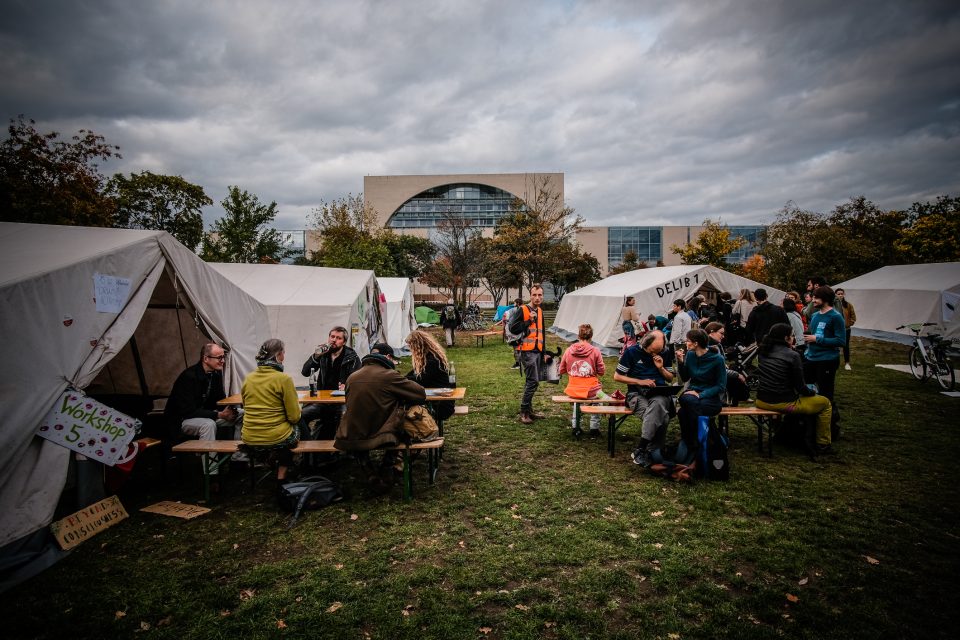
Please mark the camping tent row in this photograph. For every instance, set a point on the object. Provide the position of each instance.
(906, 294)
(655, 289)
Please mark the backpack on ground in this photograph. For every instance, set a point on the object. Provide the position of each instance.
(676, 463)
(314, 492)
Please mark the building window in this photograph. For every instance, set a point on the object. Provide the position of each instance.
(748, 250)
(483, 205)
(646, 242)
(296, 243)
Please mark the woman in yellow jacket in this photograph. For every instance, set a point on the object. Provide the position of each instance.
(271, 407)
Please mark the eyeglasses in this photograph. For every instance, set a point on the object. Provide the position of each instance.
(220, 358)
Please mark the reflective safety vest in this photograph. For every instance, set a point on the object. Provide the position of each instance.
(534, 339)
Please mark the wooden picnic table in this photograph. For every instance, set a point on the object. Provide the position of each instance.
(324, 396)
(480, 335)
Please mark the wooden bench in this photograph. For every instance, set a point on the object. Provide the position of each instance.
(479, 336)
(617, 414)
(578, 409)
(311, 446)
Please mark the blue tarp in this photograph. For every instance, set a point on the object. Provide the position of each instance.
(500, 311)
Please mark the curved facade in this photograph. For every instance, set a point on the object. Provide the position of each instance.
(406, 203)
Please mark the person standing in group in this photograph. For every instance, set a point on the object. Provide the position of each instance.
(682, 322)
(812, 283)
(531, 350)
(271, 406)
(763, 316)
(332, 362)
(827, 334)
(741, 312)
(849, 319)
(450, 320)
(629, 319)
(795, 319)
(583, 362)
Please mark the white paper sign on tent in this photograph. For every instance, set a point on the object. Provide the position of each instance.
(110, 292)
(86, 426)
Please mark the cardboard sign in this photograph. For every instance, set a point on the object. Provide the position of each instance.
(176, 509)
(88, 522)
(84, 425)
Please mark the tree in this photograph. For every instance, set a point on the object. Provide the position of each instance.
(630, 262)
(410, 254)
(799, 244)
(49, 181)
(497, 273)
(147, 200)
(574, 269)
(755, 268)
(712, 246)
(933, 232)
(459, 257)
(866, 238)
(242, 234)
(529, 236)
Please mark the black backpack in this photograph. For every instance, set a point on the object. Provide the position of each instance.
(314, 492)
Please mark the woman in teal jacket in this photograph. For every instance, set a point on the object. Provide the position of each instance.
(706, 373)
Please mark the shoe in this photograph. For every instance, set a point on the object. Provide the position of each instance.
(641, 458)
(577, 432)
(824, 449)
(537, 416)
(525, 418)
(594, 434)
(516, 366)
(618, 395)
(847, 367)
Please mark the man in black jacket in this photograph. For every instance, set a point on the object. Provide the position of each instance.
(764, 316)
(333, 363)
(192, 405)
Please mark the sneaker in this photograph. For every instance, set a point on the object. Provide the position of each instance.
(847, 367)
(516, 366)
(577, 432)
(594, 434)
(641, 458)
(537, 416)
(525, 418)
(618, 395)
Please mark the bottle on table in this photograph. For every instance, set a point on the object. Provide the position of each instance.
(452, 375)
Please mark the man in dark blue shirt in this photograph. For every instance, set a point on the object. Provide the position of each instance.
(642, 366)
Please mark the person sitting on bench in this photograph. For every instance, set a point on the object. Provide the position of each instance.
(641, 366)
(430, 369)
(782, 387)
(706, 373)
(272, 409)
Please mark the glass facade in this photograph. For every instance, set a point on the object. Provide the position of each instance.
(646, 242)
(296, 243)
(484, 206)
(748, 250)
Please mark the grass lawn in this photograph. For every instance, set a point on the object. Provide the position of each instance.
(531, 534)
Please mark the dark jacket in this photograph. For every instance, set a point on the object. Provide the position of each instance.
(781, 376)
(434, 376)
(764, 316)
(377, 399)
(194, 395)
(450, 317)
(350, 363)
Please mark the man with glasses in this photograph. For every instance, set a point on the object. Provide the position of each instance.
(193, 400)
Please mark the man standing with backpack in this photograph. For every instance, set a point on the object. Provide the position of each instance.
(450, 320)
(527, 321)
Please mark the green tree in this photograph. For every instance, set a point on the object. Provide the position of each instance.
(574, 268)
(242, 235)
(712, 246)
(496, 272)
(410, 254)
(147, 200)
(50, 181)
(933, 232)
(799, 244)
(866, 239)
(630, 262)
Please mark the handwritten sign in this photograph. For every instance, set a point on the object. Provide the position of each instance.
(176, 509)
(88, 522)
(110, 292)
(86, 426)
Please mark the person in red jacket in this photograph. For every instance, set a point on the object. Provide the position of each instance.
(583, 362)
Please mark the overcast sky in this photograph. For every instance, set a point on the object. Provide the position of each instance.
(656, 112)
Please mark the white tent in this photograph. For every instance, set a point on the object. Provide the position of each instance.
(55, 337)
(304, 303)
(400, 320)
(905, 294)
(655, 289)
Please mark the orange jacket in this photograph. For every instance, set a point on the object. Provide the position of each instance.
(534, 339)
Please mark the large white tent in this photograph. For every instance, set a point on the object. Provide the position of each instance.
(905, 294)
(304, 303)
(136, 343)
(400, 320)
(655, 289)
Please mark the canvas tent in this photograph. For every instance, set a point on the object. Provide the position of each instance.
(655, 289)
(135, 344)
(905, 294)
(400, 320)
(304, 303)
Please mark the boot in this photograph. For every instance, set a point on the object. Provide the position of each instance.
(526, 418)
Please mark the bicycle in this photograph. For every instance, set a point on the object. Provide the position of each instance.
(472, 319)
(930, 360)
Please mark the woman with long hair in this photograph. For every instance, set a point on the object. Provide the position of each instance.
(271, 407)
(741, 311)
(430, 368)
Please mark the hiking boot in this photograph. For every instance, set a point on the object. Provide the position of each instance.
(641, 458)
(594, 434)
(525, 418)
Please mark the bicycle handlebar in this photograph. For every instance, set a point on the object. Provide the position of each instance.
(917, 326)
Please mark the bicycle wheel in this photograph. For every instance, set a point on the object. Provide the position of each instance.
(943, 372)
(918, 367)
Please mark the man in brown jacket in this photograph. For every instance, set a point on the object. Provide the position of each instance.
(377, 400)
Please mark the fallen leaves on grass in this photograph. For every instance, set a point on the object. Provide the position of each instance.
(281, 624)
(246, 594)
(338, 566)
(656, 514)
(792, 598)
(163, 622)
(521, 607)
(804, 581)
(354, 516)
(334, 607)
(462, 544)
(406, 610)
(225, 613)
(549, 624)
(235, 546)
(485, 630)
(144, 626)
(872, 560)
(119, 614)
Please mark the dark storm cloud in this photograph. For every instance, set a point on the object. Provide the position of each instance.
(657, 112)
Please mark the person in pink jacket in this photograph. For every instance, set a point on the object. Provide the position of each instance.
(583, 363)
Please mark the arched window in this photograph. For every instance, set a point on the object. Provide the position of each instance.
(482, 204)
